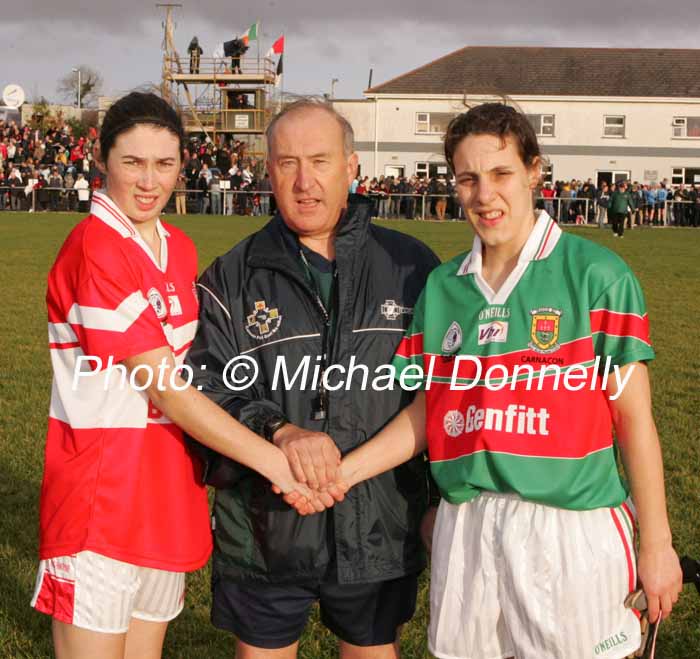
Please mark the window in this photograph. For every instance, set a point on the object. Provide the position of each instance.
(547, 173)
(686, 126)
(432, 169)
(687, 175)
(614, 126)
(432, 123)
(542, 123)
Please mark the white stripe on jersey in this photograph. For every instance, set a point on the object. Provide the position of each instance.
(98, 400)
(61, 333)
(113, 320)
(103, 399)
(182, 335)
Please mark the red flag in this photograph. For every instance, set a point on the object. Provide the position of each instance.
(278, 46)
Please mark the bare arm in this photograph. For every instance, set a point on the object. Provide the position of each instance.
(395, 444)
(212, 426)
(658, 567)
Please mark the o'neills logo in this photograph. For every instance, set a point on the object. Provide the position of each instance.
(514, 419)
(611, 643)
(499, 313)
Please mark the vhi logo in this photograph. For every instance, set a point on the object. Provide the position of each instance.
(494, 332)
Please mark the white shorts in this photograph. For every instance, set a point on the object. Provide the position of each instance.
(102, 594)
(511, 578)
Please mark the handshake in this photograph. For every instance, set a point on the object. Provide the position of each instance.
(309, 473)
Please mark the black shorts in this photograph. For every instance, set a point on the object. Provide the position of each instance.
(274, 616)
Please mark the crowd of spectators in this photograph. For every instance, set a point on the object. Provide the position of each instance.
(55, 170)
(45, 164)
(574, 202)
(223, 180)
(410, 197)
(582, 202)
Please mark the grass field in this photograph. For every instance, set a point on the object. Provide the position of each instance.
(667, 262)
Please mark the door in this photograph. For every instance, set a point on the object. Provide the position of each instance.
(611, 176)
(394, 170)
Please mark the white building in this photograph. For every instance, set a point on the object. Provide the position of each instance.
(599, 112)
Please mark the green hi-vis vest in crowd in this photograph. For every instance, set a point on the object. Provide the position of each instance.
(516, 425)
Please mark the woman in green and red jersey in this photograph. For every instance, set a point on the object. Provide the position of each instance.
(535, 344)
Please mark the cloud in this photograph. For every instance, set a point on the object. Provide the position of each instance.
(306, 16)
(324, 39)
(330, 49)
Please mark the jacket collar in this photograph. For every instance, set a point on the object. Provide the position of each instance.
(268, 248)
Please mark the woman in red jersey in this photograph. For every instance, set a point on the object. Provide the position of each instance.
(123, 511)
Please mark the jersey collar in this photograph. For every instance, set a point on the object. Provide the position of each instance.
(540, 243)
(106, 210)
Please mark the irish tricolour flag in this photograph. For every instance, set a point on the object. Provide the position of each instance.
(251, 34)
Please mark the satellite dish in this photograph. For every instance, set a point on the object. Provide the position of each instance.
(13, 96)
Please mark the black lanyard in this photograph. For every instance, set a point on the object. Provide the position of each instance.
(312, 283)
(320, 406)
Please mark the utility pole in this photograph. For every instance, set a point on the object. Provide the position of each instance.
(333, 82)
(80, 86)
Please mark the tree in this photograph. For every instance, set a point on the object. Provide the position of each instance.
(42, 117)
(81, 127)
(90, 84)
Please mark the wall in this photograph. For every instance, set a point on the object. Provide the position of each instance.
(578, 148)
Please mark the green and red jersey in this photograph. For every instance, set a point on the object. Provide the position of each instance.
(568, 303)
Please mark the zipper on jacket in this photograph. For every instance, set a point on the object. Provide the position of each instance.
(320, 406)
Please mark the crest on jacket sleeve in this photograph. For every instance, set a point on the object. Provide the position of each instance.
(391, 310)
(263, 322)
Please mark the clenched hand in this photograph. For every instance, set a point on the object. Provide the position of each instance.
(313, 458)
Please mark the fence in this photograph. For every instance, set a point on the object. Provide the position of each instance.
(219, 66)
(55, 199)
(569, 210)
(414, 206)
(230, 202)
(682, 213)
(667, 213)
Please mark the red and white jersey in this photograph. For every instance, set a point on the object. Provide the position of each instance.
(118, 478)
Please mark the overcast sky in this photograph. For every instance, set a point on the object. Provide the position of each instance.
(41, 40)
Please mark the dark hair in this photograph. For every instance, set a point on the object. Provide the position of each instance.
(138, 108)
(493, 119)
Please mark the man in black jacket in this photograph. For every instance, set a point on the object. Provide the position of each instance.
(314, 306)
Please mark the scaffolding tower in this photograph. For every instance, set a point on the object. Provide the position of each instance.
(214, 99)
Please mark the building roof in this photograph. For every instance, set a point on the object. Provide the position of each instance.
(528, 71)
